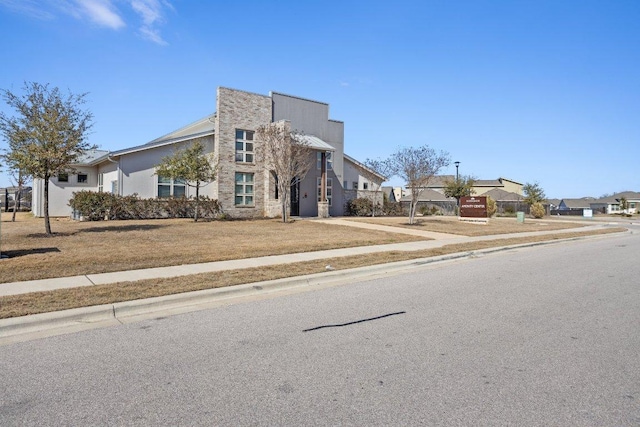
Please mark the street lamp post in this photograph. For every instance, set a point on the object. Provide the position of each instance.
(457, 164)
(458, 189)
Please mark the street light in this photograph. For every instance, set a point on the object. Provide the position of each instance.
(457, 164)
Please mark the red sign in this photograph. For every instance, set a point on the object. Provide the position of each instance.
(473, 207)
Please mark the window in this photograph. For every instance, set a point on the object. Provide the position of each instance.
(168, 187)
(100, 182)
(244, 146)
(244, 189)
(83, 178)
(365, 185)
(329, 189)
(63, 177)
(329, 159)
(114, 187)
(355, 185)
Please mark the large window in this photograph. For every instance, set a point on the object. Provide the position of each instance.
(83, 178)
(244, 146)
(329, 189)
(244, 189)
(63, 177)
(168, 187)
(329, 159)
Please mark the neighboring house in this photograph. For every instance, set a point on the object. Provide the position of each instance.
(611, 204)
(361, 181)
(480, 187)
(243, 187)
(575, 204)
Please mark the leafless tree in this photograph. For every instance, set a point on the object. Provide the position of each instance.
(286, 154)
(376, 168)
(417, 166)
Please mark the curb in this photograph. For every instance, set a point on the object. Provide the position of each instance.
(114, 313)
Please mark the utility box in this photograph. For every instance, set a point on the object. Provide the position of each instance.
(520, 216)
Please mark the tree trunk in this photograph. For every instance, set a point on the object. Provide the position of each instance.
(16, 198)
(284, 205)
(47, 224)
(195, 215)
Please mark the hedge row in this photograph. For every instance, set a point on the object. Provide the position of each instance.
(93, 206)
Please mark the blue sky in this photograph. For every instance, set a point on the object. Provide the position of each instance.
(534, 91)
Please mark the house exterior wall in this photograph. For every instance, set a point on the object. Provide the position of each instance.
(312, 118)
(511, 186)
(61, 192)
(136, 171)
(246, 111)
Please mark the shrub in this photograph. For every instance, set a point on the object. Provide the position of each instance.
(99, 206)
(492, 207)
(537, 210)
(393, 209)
(360, 206)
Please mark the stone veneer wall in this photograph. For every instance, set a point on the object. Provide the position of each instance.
(247, 111)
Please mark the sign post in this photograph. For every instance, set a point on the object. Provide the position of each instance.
(474, 209)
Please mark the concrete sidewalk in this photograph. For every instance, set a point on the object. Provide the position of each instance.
(438, 240)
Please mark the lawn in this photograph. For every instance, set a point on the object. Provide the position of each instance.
(41, 302)
(79, 248)
(451, 225)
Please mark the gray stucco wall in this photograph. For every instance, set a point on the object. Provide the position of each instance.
(312, 118)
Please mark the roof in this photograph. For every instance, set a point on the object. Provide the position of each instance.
(91, 157)
(629, 195)
(584, 203)
(500, 195)
(428, 195)
(198, 129)
(510, 180)
(316, 143)
(488, 183)
(363, 166)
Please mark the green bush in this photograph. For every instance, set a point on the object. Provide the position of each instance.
(360, 206)
(94, 206)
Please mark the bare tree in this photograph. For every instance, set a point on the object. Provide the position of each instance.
(286, 154)
(417, 166)
(49, 134)
(376, 172)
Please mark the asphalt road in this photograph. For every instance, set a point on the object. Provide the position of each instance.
(547, 336)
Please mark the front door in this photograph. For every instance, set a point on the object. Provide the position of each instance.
(295, 199)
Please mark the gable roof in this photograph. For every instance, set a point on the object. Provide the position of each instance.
(615, 199)
(584, 203)
(92, 157)
(363, 166)
(500, 195)
(197, 129)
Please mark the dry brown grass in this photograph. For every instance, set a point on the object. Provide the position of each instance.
(41, 302)
(451, 225)
(79, 248)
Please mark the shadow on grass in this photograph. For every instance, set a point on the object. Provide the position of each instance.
(128, 227)
(24, 252)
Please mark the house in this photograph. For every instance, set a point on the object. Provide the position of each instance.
(575, 204)
(480, 187)
(244, 187)
(611, 204)
(430, 199)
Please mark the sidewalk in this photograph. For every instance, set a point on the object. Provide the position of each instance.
(438, 240)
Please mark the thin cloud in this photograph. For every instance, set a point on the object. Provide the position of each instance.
(103, 13)
(152, 14)
(32, 8)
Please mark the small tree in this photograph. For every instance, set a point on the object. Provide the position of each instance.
(417, 166)
(460, 187)
(492, 207)
(375, 169)
(191, 165)
(624, 204)
(49, 134)
(533, 193)
(286, 155)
